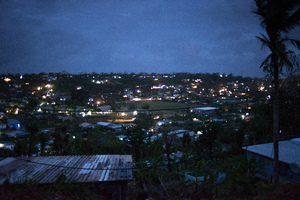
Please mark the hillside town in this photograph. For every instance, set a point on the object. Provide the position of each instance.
(184, 124)
(50, 97)
(124, 100)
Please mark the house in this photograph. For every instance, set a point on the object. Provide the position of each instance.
(203, 110)
(122, 137)
(109, 174)
(64, 117)
(152, 138)
(86, 125)
(116, 127)
(180, 133)
(2, 126)
(187, 177)
(13, 133)
(289, 160)
(190, 133)
(7, 145)
(23, 135)
(128, 125)
(165, 121)
(105, 108)
(103, 123)
(2, 114)
(13, 124)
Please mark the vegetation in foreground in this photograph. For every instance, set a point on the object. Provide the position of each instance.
(171, 188)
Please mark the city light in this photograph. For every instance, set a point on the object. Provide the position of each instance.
(48, 86)
(7, 79)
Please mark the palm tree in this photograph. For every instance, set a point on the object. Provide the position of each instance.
(167, 140)
(43, 139)
(33, 129)
(278, 17)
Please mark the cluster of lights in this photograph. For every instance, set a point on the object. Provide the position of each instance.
(221, 75)
(196, 120)
(244, 116)
(160, 123)
(261, 88)
(136, 99)
(7, 79)
(162, 87)
(89, 113)
(99, 82)
(222, 90)
(199, 132)
(48, 86)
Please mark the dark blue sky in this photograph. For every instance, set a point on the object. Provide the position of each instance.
(162, 36)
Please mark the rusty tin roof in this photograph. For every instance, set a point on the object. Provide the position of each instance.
(81, 169)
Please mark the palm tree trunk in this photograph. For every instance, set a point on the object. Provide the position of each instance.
(30, 145)
(168, 157)
(42, 149)
(276, 123)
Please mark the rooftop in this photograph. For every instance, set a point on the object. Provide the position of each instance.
(288, 150)
(83, 169)
(205, 108)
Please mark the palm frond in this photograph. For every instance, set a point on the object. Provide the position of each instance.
(261, 10)
(265, 41)
(293, 20)
(266, 62)
(278, 16)
(296, 43)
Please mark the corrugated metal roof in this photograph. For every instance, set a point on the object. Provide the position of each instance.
(288, 151)
(90, 168)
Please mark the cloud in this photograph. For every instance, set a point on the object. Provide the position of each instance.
(132, 36)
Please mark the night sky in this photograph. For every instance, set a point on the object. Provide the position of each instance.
(161, 36)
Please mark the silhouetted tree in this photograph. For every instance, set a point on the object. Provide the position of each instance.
(33, 129)
(21, 147)
(277, 17)
(43, 138)
(136, 140)
(61, 141)
(168, 139)
(186, 140)
(32, 103)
